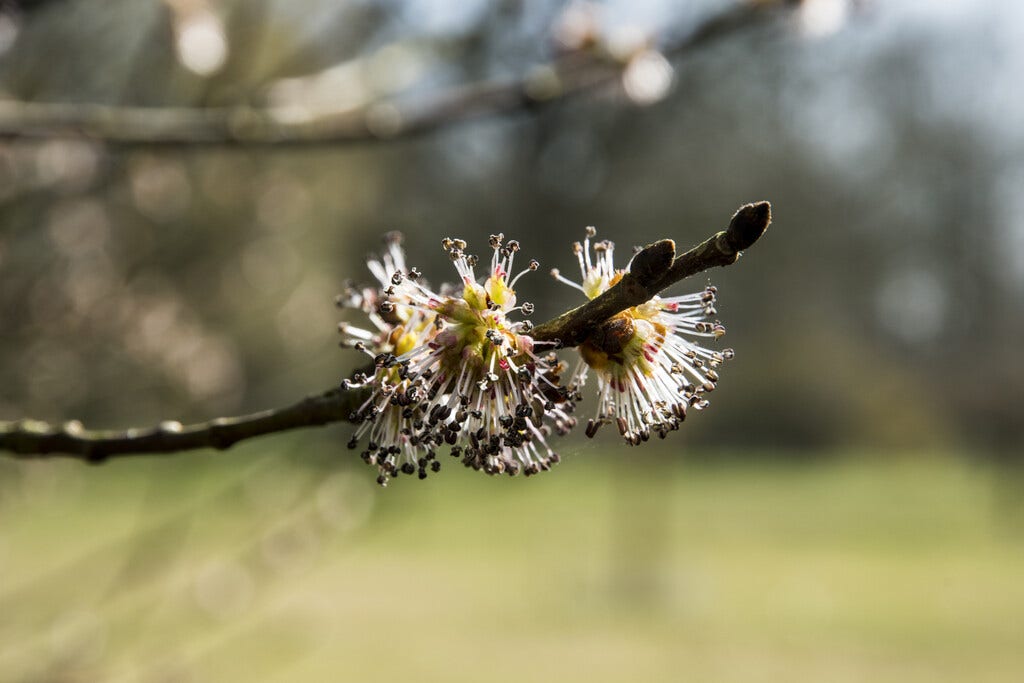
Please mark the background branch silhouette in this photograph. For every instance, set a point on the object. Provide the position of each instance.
(570, 75)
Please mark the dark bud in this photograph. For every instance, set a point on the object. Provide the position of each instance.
(748, 224)
(653, 261)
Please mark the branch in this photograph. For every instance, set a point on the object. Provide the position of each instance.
(34, 438)
(652, 270)
(570, 75)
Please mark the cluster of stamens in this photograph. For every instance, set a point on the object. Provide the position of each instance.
(649, 366)
(451, 368)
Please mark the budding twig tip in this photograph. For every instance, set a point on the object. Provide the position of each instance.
(748, 224)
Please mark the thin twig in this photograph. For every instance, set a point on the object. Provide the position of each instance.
(563, 78)
(33, 438)
(652, 270)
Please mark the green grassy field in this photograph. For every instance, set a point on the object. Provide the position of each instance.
(616, 566)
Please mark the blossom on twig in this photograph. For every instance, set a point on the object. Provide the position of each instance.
(650, 368)
(453, 368)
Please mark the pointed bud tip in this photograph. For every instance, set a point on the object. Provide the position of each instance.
(748, 224)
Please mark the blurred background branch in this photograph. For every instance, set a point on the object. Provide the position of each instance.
(587, 65)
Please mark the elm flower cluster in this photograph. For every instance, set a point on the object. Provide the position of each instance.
(452, 368)
(650, 367)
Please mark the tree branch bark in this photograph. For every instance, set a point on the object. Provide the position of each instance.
(32, 438)
(652, 270)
